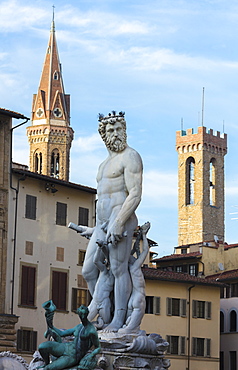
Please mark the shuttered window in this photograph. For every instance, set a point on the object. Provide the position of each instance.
(176, 307)
(176, 345)
(79, 296)
(28, 276)
(26, 340)
(202, 309)
(201, 347)
(30, 210)
(61, 214)
(59, 289)
(83, 216)
(81, 256)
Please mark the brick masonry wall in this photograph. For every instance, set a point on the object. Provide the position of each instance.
(200, 221)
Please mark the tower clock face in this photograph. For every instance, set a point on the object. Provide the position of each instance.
(57, 112)
(39, 112)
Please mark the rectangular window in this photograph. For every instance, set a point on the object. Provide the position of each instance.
(234, 290)
(193, 269)
(202, 309)
(30, 210)
(233, 360)
(83, 216)
(180, 268)
(26, 340)
(60, 254)
(28, 276)
(81, 257)
(81, 282)
(222, 292)
(201, 347)
(176, 307)
(176, 345)
(152, 305)
(79, 296)
(29, 248)
(59, 289)
(61, 214)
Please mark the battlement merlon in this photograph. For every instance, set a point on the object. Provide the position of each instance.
(203, 136)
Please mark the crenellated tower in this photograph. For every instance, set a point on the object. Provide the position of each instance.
(50, 134)
(200, 185)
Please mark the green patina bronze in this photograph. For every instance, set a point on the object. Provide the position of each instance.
(72, 354)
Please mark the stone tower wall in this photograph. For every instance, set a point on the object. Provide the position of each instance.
(200, 221)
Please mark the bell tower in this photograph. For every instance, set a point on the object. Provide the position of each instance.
(200, 185)
(50, 134)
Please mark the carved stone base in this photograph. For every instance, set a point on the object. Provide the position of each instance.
(131, 361)
(7, 332)
(126, 352)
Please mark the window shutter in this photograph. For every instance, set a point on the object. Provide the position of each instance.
(168, 339)
(30, 210)
(33, 340)
(61, 213)
(83, 216)
(31, 285)
(81, 282)
(156, 305)
(194, 309)
(74, 300)
(208, 310)
(208, 347)
(182, 345)
(19, 339)
(194, 346)
(169, 306)
(59, 289)
(183, 307)
(24, 277)
(28, 285)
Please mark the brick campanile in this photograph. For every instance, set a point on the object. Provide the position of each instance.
(50, 134)
(200, 185)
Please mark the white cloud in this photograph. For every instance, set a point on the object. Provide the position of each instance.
(88, 143)
(160, 189)
(16, 16)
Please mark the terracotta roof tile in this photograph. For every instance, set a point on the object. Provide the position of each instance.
(225, 275)
(156, 274)
(10, 113)
(175, 256)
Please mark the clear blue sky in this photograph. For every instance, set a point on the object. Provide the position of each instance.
(150, 59)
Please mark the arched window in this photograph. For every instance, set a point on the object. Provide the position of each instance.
(38, 162)
(233, 316)
(212, 182)
(190, 180)
(55, 75)
(221, 322)
(55, 157)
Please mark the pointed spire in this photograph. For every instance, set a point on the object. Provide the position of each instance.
(53, 20)
(55, 104)
(50, 134)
